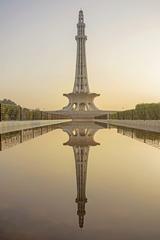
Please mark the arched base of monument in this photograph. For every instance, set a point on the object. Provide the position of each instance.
(81, 102)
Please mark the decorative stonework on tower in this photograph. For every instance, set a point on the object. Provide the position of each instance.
(81, 99)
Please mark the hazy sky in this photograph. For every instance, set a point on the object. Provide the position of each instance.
(38, 51)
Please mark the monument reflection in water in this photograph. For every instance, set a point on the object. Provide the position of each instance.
(81, 138)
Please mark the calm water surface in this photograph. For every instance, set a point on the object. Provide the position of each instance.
(79, 181)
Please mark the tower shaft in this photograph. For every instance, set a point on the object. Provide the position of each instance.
(81, 79)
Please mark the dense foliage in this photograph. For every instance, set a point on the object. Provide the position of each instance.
(9, 112)
(7, 101)
(144, 111)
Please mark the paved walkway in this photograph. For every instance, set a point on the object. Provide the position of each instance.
(148, 125)
(9, 126)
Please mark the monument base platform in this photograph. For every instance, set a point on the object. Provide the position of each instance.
(82, 115)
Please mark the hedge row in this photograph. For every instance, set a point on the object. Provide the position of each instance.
(9, 112)
(144, 111)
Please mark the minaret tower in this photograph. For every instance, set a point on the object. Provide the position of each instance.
(81, 99)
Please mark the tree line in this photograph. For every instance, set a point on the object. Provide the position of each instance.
(12, 112)
(144, 111)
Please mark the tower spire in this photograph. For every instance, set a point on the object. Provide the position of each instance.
(81, 79)
(81, 17)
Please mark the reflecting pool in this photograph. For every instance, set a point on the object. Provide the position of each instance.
(79, 180)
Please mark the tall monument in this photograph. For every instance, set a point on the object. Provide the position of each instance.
(81, 99)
